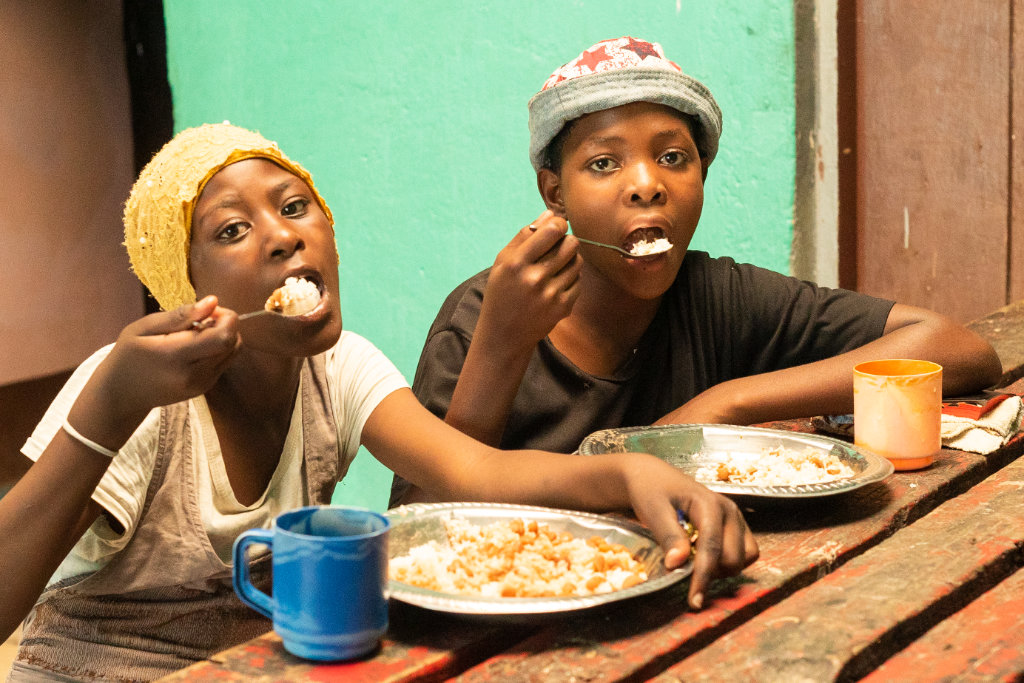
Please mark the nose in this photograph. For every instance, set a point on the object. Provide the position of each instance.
(645, 186)
(282, 238)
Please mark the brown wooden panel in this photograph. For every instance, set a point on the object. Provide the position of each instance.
(1015, 286)
(21, 406)
(66, 168)
(933, 153)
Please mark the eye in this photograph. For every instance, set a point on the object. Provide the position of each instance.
(673, 158)
(295, 207)
(232, 231)
(602, 165)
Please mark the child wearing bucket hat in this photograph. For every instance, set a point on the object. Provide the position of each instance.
(197, 425)
(561, 338)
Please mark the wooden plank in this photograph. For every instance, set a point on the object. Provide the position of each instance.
(844, 625)
(1004, 330)
(799, 542)
(1015, 271)
(982, 642)
(419, 645)
(933, 101)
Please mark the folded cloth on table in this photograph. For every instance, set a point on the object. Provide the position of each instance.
(978, 424)
(981, 429)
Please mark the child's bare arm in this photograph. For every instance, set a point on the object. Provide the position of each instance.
(157, 360)
(825, 387)
(449, 465)
(41, 518)
(532, 285)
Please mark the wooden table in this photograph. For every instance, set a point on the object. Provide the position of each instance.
(918, 577)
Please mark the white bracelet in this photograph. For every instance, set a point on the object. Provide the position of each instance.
(73, 433)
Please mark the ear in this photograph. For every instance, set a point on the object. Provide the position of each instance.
(704, 164)
(550, 188)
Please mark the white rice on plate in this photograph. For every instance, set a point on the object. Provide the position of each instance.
(775, 467)
(517, 559)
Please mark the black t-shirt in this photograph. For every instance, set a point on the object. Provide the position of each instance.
(720, 320)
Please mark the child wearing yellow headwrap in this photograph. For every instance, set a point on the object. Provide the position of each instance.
(196, 425)
(158, 213)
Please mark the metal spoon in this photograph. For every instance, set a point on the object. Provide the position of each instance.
(203, 324)
(274, 304)
(619, 249)
(661, 250)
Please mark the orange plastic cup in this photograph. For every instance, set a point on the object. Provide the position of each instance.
(897, 410)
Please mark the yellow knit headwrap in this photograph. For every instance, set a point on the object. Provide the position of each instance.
(158, 213)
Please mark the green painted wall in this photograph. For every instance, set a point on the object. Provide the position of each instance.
(412, 118)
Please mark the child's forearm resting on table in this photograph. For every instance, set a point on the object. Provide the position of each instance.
(452, 466)
(825, 387)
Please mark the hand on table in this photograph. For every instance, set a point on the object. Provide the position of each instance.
(725, 544)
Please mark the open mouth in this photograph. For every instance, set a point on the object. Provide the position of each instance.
(299, 295)
(646, 242)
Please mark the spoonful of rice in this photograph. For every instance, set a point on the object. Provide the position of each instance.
(646, 247)
(297, 296)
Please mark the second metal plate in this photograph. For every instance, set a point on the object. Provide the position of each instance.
(693, 446)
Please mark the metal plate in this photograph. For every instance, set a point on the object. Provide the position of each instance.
(416, 524)
(690, 447)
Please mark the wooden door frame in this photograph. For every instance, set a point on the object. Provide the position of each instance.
(849, 20)
(152, 109)
(817, 249)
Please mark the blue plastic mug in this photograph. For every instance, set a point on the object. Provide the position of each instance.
(330, 573)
